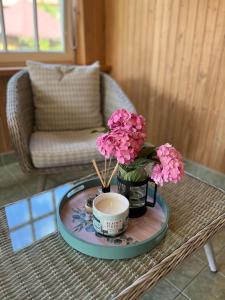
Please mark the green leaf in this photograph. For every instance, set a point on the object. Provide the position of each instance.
(103, 130)
(147, 152)
(139, 162)
(134, 175)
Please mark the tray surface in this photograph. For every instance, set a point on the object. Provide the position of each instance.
(75, 226)
(79, 222)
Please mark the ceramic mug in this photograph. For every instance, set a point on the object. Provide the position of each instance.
(110, 214)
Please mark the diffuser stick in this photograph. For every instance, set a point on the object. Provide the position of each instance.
(98, 173)
(105, 171)
(108, 168)
(113, 173)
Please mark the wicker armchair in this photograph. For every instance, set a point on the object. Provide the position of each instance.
(21, 120)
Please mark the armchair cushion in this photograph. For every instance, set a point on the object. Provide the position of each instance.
(66, 97)
(63, 148)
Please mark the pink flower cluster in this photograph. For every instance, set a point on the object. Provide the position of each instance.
(171, 167)
(125, 120)
(126, 137)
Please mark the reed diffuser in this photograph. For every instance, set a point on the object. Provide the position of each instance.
(105, 176)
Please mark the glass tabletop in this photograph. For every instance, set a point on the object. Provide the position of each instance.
(34, 218)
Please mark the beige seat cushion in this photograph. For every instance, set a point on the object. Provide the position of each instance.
(66, 97)
(63, 148)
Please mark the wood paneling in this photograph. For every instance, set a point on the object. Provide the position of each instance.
(169, 56)
(5, 144)
(90, 19)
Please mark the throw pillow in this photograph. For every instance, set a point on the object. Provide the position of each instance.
(66, 97)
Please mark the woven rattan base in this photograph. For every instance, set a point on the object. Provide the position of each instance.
(50, 269)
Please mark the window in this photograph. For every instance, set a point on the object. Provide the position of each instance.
(36, 29)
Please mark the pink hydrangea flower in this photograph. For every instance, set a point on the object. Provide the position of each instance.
(128, 145)
(125, 120)
(171, 167)
(126, 137)
(120, 144)
(105, 145)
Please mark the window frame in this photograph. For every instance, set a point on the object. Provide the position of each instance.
(18, 58)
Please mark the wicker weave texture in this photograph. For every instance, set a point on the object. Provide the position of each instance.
(50, 269)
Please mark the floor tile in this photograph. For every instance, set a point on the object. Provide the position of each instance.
(10, 190)
(6, 179)
(16, 172)
(181, 297)
(69, 176)
(207, 286)
(30, 184)
(185, 273)
(220, 260)
(206, 174)
(12, 194)
(218, 242)
(8, 158)
(162, 291)
(200, 253)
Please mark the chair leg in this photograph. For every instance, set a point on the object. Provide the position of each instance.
(41, 183)
(210, 256)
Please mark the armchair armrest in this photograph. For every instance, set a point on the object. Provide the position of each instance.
(20, 116)
(113, 97)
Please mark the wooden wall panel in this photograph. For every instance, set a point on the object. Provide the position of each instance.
(5, 144)
(90, 20)
(169, 56)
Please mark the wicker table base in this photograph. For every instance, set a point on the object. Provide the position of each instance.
(50, 269)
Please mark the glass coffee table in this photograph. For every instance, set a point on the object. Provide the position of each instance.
(36, 263)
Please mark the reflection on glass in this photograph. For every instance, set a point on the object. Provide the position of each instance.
(21, 237)
(19, 26)
(32, 219)
(42, 204)
(17, 213)
(44, 227)
(60, 191)
(50, 22)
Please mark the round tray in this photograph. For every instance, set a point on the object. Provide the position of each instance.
(75, 225)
